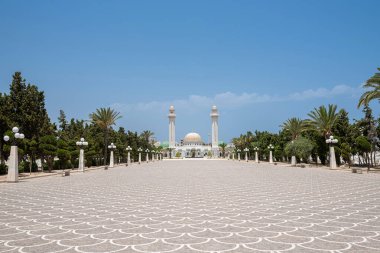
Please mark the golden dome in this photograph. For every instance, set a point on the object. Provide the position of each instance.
(192, 138)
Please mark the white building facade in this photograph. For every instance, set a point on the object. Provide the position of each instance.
(192, 145)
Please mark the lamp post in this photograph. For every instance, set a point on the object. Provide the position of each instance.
(129, 149)
(238, 152)
(13, 163)
(112, 148)
(139, 150)
(256, 154)
(331, 141)
(293, 159)
(81, 144)
(147, 155)
(270, 147)
(246, 150)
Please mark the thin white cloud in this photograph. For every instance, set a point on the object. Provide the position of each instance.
(233, 100)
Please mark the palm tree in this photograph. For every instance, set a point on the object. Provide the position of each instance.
(294, 126)
(374, 84)
(147, 135)
(105, 118)
(223, 147)
(323, 120)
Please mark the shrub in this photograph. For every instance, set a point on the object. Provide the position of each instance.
(3, 169)
(301, 148)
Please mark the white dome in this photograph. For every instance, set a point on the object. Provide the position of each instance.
(192, 138)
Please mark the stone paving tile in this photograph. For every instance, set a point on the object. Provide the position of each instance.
(193, 206)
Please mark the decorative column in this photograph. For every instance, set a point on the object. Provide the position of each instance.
(233, 156)
(246, 150)
(147, 155)
(129, 149)
(172, 117)
(331, 141)
(81, 144)
(256, 154)
(139, 150)
(238, 152)
(293, 160)
(270, 147)
(153, 159)
(12, 176)
(112, 148)
(214, 131)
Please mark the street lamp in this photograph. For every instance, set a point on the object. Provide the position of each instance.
(81, 144)
(238, 152)
(293, 159)
(256, 149)
(331, 141)
(13, 163)
(112, 148)
(139, 150)
(147, 155)
(246, 150)
(270, 147)
(129, 149)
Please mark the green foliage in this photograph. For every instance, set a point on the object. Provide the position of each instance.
(301, 147)
(105, 118)
(63, 156)
(294, 127)
(373, 90)
(223, 147)
(322, 119)
(26, 166)
(178, 154)
(346, 152)
(363, 145)
(3, 169)
(48, 149)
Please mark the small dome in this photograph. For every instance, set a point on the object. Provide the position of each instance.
(171, 108)
(192, 138)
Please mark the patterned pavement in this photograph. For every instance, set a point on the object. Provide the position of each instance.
(193, 206)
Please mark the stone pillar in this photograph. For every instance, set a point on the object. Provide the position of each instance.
(294, 161)
(111, 159)
(152, 157)
(147, 157)
(81, 160)
(139, 157)
(270, 157)
(214, 131)
(172, 117)
(233, 156)
(239, 157)
(13, 165)
(246, 156)
(256, 157)
(129, 158)
(332, 158)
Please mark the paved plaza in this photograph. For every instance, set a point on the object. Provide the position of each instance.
(193, 206)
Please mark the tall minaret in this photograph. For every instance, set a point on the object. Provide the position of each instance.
(172, 117)
(215, 131)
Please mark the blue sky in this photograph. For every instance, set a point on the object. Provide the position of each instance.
(260, 62)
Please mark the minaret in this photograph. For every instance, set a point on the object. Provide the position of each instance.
(215, 131)
(172, 117)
